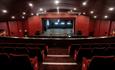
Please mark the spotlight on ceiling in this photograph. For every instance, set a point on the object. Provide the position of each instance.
(91, 12)
(56, 2)
(84, 3)
(74, 8)
(41, 9)
(32, 14)
(37, 14)
(84, 13)
(24, 13)
(95, 17)
(30, 4)
(111, 9)
(58, 12)
(12, 17)
(4, 11)
(105, 16)
(79, 13)
(23, 17)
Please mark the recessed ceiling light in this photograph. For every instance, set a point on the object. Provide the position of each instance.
(84, 13)
(84, 3)
(71, 10)
(111, 9)
(45, 11)
(24, 13)
(41, 9)
(30, 4)
(32, 14)
(74, 8)
(79, 13)
(13, 17)
(94, 16)
(58, 10)
(91, 12)
(23, 17)
(4, 11)
(105, 16)
(56, 2)
(37, 14)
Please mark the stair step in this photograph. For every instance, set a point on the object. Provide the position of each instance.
(58, 56)
(55, 63)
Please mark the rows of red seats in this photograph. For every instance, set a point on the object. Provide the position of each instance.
(21, 58)
(97, 56)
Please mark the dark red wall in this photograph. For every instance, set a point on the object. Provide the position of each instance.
(34, 24)
(82, 24)
(100, 27)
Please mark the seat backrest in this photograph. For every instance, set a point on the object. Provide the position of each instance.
(35, 52)
(99, 51)
(4, 61)
(20, 50)
(84, 52)
(102, 63)
(111, 51)
(8, 50)
(20, 62)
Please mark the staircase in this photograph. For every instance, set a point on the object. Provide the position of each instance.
(58, 59)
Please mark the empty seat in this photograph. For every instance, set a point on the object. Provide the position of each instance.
(20, 62)
(111, 51)
(99, 51)
(112, 45)
(73, 48)
(4, 62)
(85, 46)
(84, 52)
(8, 50)
(19, 50)
(102, 63)
(35, 52)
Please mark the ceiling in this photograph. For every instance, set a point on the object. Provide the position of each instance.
(16, 7)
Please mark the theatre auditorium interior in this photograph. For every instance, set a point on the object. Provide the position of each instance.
(57, 34)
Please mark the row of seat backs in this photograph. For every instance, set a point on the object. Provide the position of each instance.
(15, 62)
(90, 52)
(102, 63)
(75, 47)
(31, 52)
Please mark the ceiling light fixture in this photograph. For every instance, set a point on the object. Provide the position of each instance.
(58, 10)
(32, 14)
(13, 17)
(111, 9)
(84, 13)
(23, 17)
(105, 16)
(56, 2)
(74, 8)
(91, 12)
(30, 4)
(4, 11)
(84, 3)
(95, 17)
(37, 14)
(79, 13)
(41, 9)
(24, 13)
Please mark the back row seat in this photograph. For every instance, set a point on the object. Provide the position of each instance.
(31, 52)
(15, 62)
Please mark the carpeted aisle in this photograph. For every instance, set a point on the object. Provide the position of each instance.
(58, 59)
